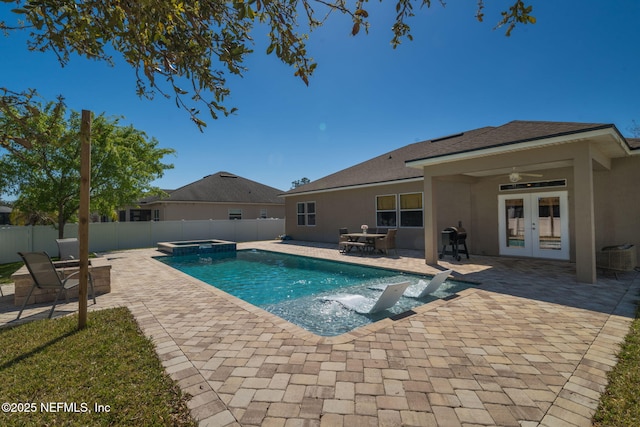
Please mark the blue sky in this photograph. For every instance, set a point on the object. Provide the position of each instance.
(579, 62)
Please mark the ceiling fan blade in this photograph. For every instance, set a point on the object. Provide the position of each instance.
(539, 175)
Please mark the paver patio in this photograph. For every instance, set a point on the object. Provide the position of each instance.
(529, 346)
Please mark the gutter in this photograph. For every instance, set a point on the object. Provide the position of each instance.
(523, 144)
(352, 187)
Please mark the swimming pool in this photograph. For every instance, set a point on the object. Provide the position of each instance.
(292, 286)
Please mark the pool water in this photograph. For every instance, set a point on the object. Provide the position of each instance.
(292, 287)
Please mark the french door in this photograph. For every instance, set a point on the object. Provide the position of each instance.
(534, 225)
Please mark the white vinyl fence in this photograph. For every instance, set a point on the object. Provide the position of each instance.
(105, 236)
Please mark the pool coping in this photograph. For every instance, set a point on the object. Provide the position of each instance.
(309, 336)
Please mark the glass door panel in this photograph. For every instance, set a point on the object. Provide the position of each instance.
(548, 225)
(534, 224)
(514, 221)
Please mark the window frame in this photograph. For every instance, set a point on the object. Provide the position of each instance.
(234, 214)
(304, 216)
(421, 209)
(140, 215)
(394, 211)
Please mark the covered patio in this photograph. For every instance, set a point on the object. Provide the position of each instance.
(530, 345)
(566, 161)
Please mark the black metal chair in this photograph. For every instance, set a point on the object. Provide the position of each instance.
(45, 276)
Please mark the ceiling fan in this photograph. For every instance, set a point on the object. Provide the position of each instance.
(516, 176)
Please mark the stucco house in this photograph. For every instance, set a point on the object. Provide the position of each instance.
(221, 195)
(553, 190)
(5, 215)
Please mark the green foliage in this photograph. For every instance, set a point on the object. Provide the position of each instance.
(6, 270)
(185, 49)
(298, 182)
(620, 403)
(108, 363)
(42, 165)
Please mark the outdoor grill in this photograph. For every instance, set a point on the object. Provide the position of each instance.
(456, 238)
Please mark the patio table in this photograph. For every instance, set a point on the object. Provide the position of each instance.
(369, 238)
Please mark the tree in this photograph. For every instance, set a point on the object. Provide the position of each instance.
(42, 163)
(186, 49)
(298, 182)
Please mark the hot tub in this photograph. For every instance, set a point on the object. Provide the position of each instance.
(189, 247)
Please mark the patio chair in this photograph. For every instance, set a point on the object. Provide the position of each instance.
(45, 276)
(384, 244)
(364, 305)
(617, 259)
(342, 240)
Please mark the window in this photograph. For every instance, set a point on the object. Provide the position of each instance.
(386, 215)
(411, 210)
(139, 215)
(156, 214)
(235, 213)
(263, 213)
(307, 213)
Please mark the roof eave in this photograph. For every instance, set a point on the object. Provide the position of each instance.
(352, 187)
(524, 145)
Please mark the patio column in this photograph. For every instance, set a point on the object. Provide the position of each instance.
(430, 220)
(584, 215)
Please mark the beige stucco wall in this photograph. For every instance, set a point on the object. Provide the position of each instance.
(474, 201)
(617, 208)
(352, 208)
(484, 207)
(204, 211)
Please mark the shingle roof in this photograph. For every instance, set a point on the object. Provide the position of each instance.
(224, 187)
(391, 166)
(634, 143)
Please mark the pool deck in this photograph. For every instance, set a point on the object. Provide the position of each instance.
(528, 347)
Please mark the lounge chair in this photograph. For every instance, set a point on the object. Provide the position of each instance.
(420, 290)
(364, 305)
(384, 244)
(433, 284)
(45, 276)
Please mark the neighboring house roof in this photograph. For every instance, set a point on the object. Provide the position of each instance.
(5, 209)
(392, 166)
(222, 187)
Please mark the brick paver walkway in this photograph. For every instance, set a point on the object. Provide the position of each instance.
(527, 347)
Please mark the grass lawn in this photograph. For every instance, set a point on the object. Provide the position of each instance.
(620, 403)
(6, 270)
(105, 375)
